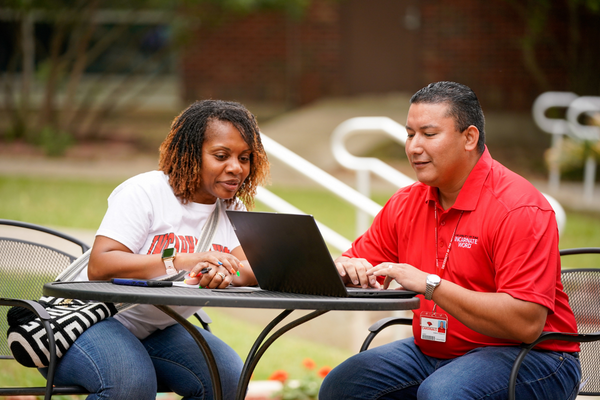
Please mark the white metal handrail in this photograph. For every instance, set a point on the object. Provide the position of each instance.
(398, 133)
(321, 177)
(374, 165)
(277, 203)
(345, 192)
(364, 166)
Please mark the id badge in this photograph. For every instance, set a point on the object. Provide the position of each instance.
(434, 326)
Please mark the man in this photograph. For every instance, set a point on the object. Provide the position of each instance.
(481, 244)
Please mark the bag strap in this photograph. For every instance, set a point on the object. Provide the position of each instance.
(209, 229)
(73, 270)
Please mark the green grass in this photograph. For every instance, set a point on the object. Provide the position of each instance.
(54, 202)
(82, 204)
(287, 352)
(582, 230)
(13, 374)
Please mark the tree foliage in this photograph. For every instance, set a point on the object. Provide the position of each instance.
(569, 30)
(80, 34)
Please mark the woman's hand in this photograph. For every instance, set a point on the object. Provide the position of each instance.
(213, 269)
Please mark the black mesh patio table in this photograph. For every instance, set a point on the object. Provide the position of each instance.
(164, 297)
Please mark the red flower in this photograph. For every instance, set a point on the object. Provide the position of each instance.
(324, 371)
(279, 375)
(309, 363)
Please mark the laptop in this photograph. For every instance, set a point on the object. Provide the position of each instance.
(288, 254)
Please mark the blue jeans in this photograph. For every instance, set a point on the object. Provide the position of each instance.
(399, 370)
(110, 362)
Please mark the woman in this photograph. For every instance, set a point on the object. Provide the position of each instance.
(212, 154)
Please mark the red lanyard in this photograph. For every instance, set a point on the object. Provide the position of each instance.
(438, 270)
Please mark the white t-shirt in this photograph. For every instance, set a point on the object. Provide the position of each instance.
(145, 215)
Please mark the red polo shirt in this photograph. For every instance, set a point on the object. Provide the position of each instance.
(505, 242)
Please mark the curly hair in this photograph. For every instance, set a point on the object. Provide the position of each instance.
(181, 151)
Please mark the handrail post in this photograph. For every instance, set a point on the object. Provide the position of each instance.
(363, 185)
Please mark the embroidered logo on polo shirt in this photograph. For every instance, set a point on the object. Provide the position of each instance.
(466, 241)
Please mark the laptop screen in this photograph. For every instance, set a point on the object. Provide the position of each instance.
(288, 254)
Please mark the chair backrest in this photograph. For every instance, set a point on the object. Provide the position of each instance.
(583, 288)
(30, 255)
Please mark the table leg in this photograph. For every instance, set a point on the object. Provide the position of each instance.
(201, 342)
(260, 346)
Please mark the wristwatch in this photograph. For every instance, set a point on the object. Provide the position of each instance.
(168, 256)
(433, 281)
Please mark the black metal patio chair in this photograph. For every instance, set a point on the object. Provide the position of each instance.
(30, 256)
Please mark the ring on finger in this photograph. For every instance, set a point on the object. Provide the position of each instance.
(389, 267)
(222, 275)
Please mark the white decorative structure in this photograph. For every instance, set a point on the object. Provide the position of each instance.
(557, 127)
(587, 133)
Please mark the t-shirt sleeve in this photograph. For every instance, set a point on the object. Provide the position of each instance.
(129, 216)
(526, 256)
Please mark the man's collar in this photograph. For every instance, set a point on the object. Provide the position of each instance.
(469, 194)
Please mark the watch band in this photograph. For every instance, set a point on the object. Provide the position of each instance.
(170, 266)
(168, 256)
(429, 291)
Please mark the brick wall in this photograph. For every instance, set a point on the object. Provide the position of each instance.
(242, 58)
(478, 43)
(273, 58)
(267, 56)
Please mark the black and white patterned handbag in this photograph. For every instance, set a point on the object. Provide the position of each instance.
(27, 337)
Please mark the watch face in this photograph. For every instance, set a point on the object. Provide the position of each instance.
(433, 279)
(167, 253)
